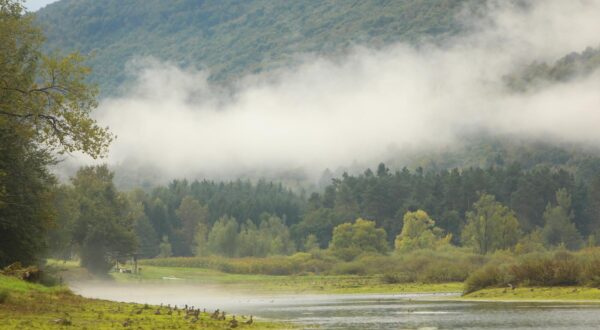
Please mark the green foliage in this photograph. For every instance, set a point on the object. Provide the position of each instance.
(490, 226)
(60, 234)
(148, 246)
(319, 223)
(351, 239)
(563, 70)
(103, 230)
(164, 248)
(186, 212)
(532, 242)
(275, 265)
(272, 237)
(559, 228)
(235, 38)
(45, 98)
(559, 268)
(419, 232)
(311, 243)
(201, 241)
(446, 195)
(421, 266)
(45, 107)
(223, 237)
(191, 215)
(428, 266)
(485, 277)
(25, 199)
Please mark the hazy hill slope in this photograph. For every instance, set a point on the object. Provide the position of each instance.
(232, 38)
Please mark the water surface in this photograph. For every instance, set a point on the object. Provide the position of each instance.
(361, 311)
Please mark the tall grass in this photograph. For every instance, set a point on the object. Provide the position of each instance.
(423, 266)
(299, 263)
(559, 268)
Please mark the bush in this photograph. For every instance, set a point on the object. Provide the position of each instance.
(560, 268)
(488, 276)
(590, 268)
(349, 268)
(30, 274)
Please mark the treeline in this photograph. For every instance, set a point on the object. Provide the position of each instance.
(565, 69)
(504, 208)
(181, 219)
(447, 196)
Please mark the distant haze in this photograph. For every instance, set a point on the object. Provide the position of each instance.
(331, 112)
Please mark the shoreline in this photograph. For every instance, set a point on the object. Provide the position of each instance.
(332, 284)
(25, 305)
(555, 294)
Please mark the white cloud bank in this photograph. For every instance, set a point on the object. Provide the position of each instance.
(328, 113)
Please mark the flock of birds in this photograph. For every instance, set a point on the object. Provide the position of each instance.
(193, 314)
(189, 313)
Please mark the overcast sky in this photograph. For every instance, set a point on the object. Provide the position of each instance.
(34, 5)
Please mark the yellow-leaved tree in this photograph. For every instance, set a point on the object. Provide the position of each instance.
(419, 232)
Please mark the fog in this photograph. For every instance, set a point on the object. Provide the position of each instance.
(303, 308)
(330, 112)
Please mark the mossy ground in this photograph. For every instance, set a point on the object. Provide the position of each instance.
(569, 293)
(32, 306)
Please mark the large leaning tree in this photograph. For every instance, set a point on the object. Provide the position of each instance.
(45, 106)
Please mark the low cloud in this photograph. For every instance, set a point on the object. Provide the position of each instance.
(327, 113)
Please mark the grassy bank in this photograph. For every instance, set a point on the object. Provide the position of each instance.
(258, 283)
(283, 283)
(31, 306)
(570, 293)
(419, 266)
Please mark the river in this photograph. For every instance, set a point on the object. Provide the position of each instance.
(360, 311)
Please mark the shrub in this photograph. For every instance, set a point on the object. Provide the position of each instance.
(488, 276)
(349, 268)
(561, 268)
(590, 267)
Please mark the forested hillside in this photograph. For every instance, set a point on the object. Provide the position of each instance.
(233, 38)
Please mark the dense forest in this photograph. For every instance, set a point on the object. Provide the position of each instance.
(234, 38)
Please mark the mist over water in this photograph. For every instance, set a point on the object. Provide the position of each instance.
(357, 311)
(329, 112)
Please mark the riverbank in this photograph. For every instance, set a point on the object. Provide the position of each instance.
(332, 284)
(537, 294)
(25, 305)
(264, 284)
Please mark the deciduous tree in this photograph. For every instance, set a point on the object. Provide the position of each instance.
(490, 226)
